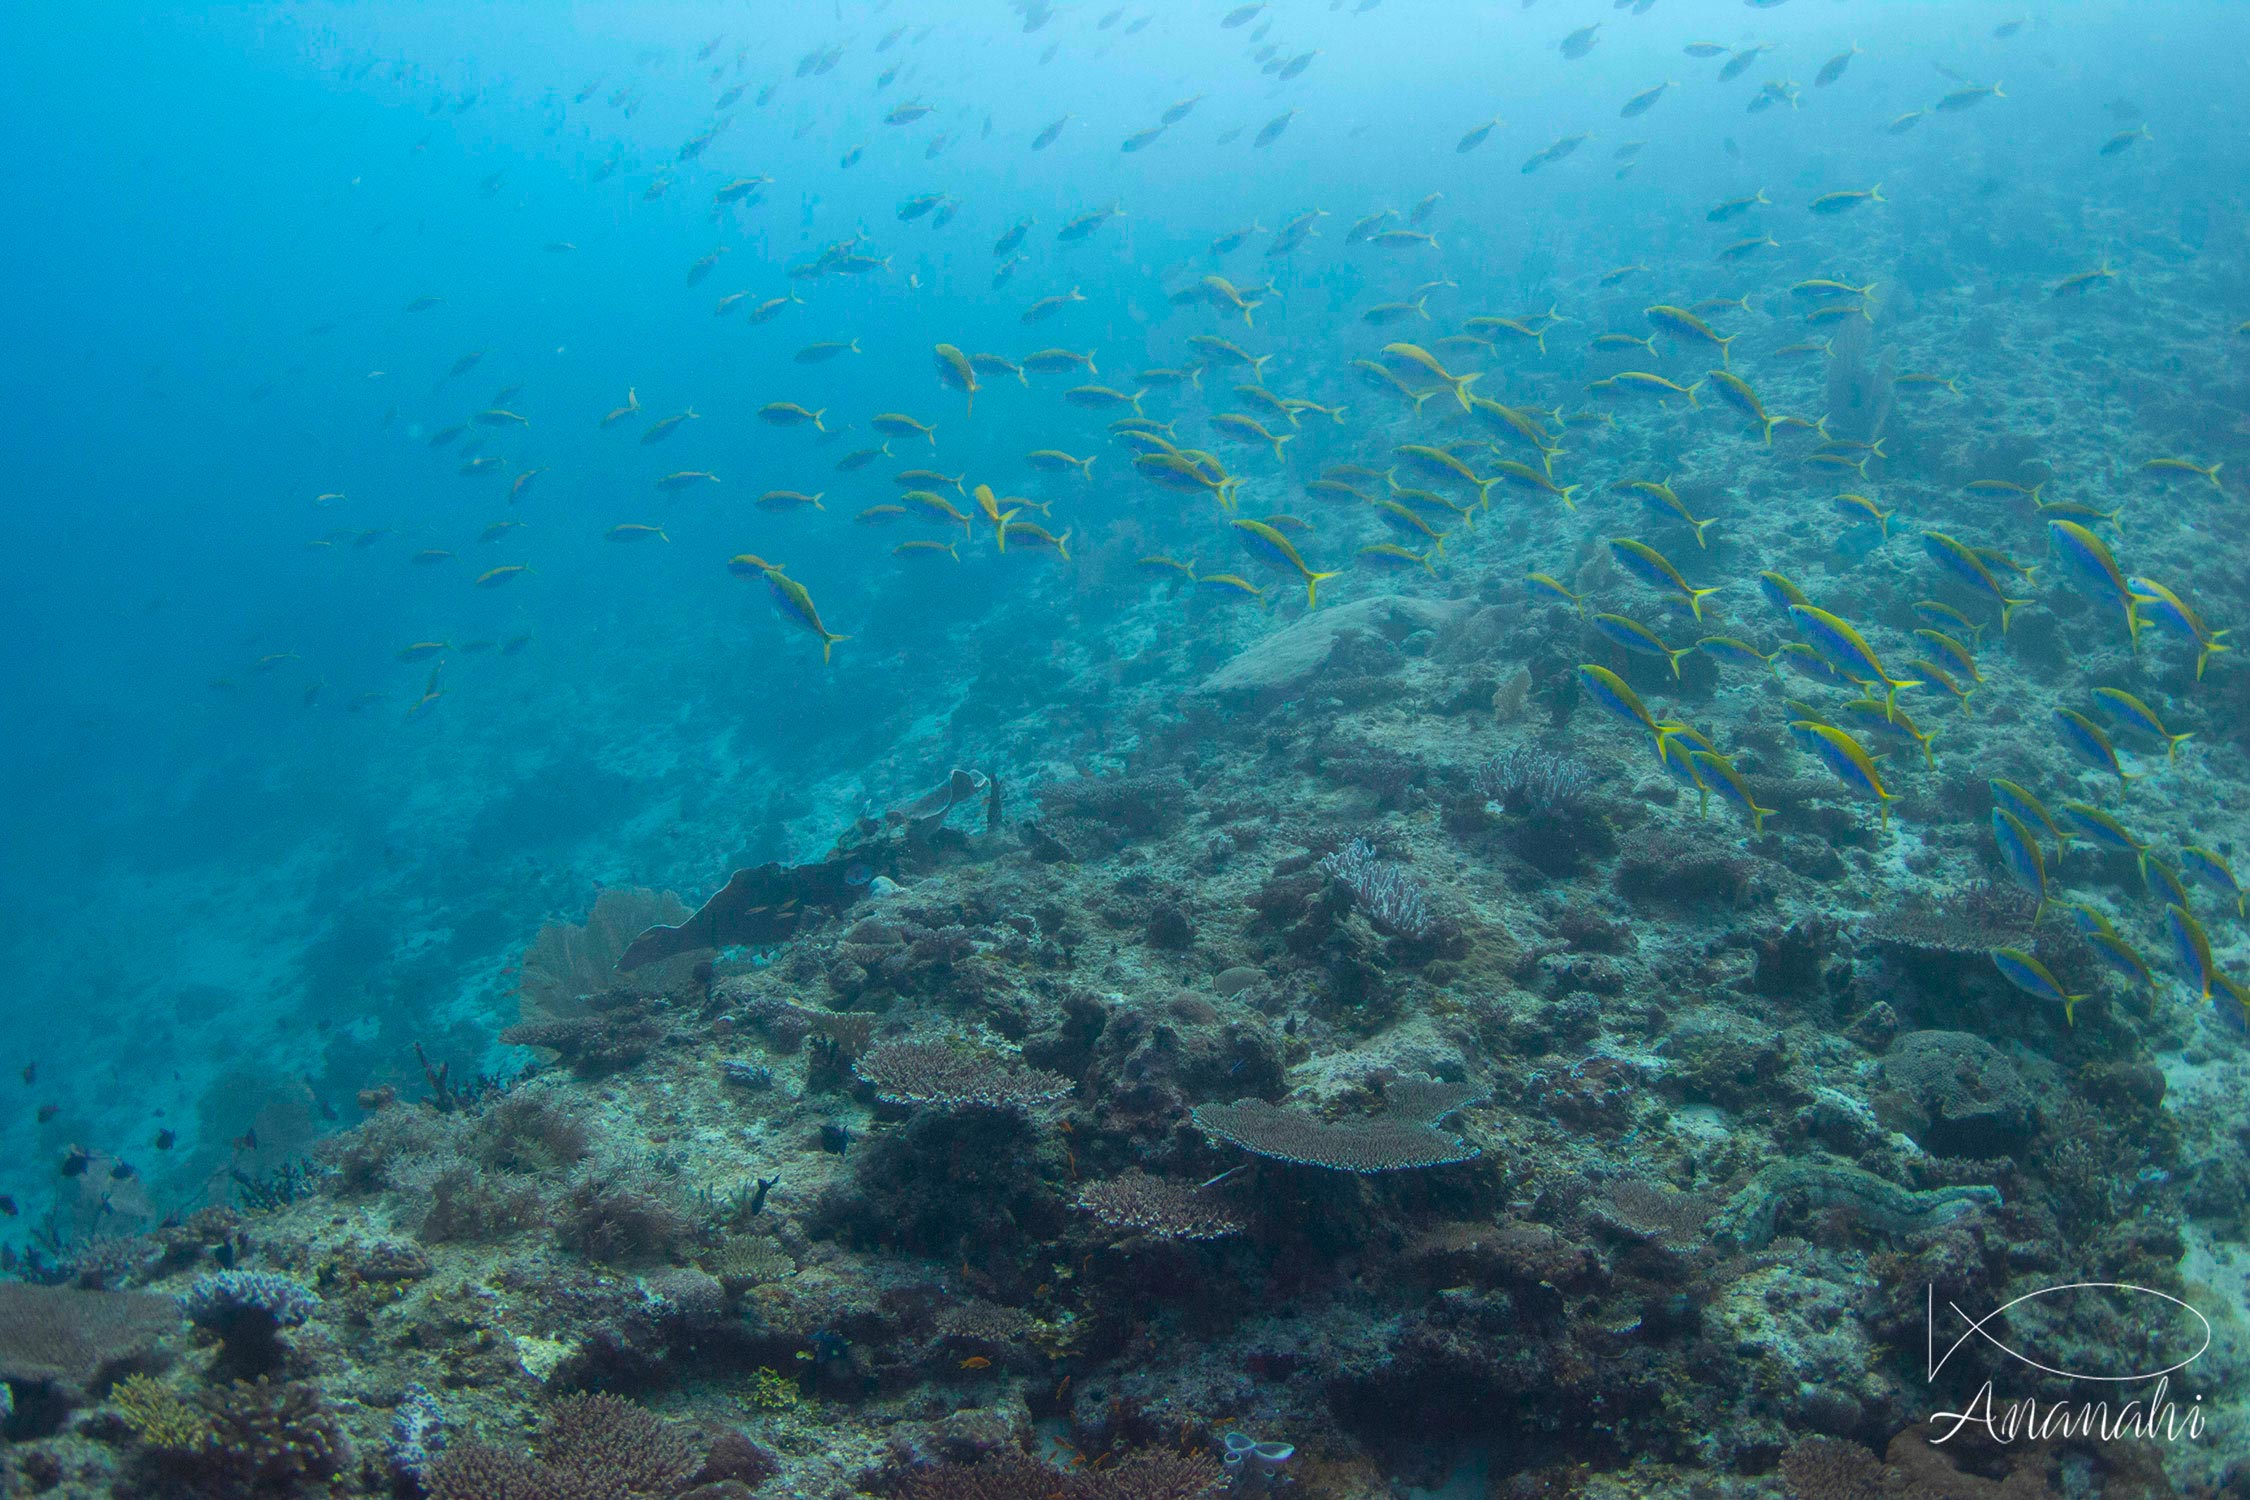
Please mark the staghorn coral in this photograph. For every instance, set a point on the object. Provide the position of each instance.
(1158, 1207)
(591, 1447)
(932, 1072)
(1365, 1144)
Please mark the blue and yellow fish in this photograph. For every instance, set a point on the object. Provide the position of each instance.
(1846, 650)
(2030, 975)
(1846, 759)
(2019, 855)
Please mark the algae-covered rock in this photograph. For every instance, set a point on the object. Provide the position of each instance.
(1288, 660)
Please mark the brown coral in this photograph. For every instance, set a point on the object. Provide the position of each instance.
(63, 1336)
(932, 1072)
(1368, 1143)
(567, 962)
(1158, 1207)
(592, 1447)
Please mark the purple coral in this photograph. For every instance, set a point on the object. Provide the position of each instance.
(1392, 899)
(1530, 780)
(417, 1434)
(226, 1297)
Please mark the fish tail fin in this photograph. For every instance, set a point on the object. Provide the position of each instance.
(1694, 404)
(1246, 315)
(816, 416)
(953, 550)
(2008, 607)
(1312, 584)
(1876, 193)
(1087, 468)
(2204, 655)
(1461, 386)
(1674, 657)
(1769, 428)
(1758, 816)
(971, 409)
(1062, 545)
(1730, 338)
(2172, 745)
(1695, 598)
(2212, 474)
(1195, 376)
(828, 644)
(1090, 369)
(1137, 401)
(1566, 492)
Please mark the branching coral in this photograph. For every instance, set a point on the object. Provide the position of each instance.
(225, 1297)
(159, 1416)
(592, 1447)
(932, 1072)
(238, 1440)
(1159, 1207)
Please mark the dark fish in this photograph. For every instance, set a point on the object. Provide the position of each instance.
(1273, 128)
(165, 1140)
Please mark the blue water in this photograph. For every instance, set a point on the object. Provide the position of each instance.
(243, 873)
